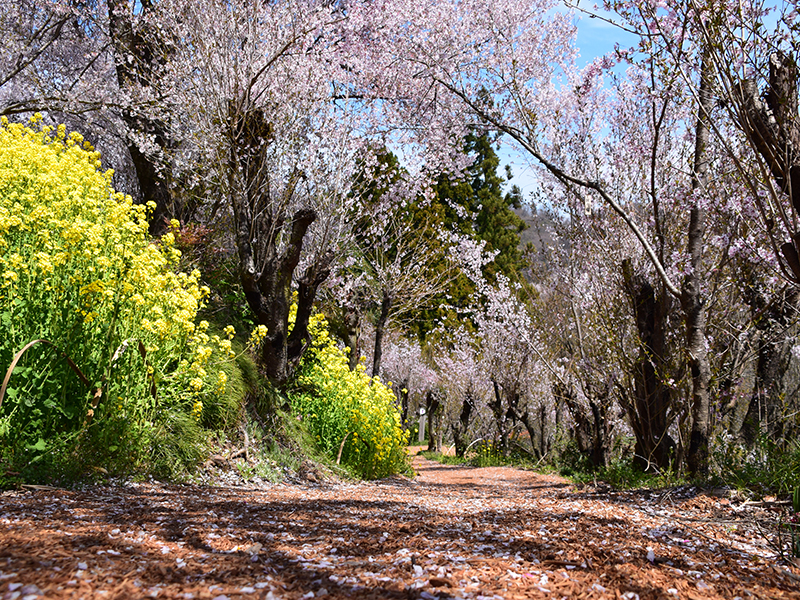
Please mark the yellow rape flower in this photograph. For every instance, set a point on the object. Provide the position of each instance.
(222, 380)
(197, 410)
(82, 250)
(259, 333)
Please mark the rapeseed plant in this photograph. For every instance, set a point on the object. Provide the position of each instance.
(78, 269)
(338, 405)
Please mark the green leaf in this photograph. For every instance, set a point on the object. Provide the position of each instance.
(39, 446)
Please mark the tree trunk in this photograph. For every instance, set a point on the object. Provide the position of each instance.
(267, 264)
(380, 326)
(501, 419)
(648, 413)
(582, 429)
(601, 427)
(692, 300)
(592, 431)
(460, 439)
(765, 410)
(772, 126)
(269, 293)
(776, 322)
(402, 391)
(350, 337)
(307, 286)
(432, 405)
(270, 297)
(536, 427)
(135, 57)
(544, 437)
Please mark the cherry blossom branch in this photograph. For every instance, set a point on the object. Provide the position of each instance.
(23, 61)
(564, 177)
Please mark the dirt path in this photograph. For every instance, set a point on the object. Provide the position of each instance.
(451, 532)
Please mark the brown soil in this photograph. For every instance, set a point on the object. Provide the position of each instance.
(450, 532)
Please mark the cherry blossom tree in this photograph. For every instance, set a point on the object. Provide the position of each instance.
(96, 66)
(494, 365)
(750, 49)
(583, 319)
(272, 147)
(678, 172)
(732, 48)
(465, 389)
(253, 113)
(405, 365)
(406, 279)
(406, 264)
(745, 45)
(56, 58)
(30, 33)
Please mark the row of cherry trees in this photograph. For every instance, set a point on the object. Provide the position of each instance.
(678, 150)
(660, 310)
(674, 182)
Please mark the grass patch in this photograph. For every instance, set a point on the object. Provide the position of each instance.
(444, 459)
(766, 468)
(486, 456)
(623, 474)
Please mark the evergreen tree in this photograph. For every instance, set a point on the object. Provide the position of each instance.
(495, 223)
(474, 204)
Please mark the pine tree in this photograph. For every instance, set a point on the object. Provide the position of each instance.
(474, 204)
(480, 194)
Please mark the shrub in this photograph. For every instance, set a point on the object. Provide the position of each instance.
(571, 461)
(339, 405)
(78, 269)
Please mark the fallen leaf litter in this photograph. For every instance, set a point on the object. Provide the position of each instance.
(452, 532)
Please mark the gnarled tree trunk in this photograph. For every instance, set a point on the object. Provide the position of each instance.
(592, 426)
(692, 300)
(648, 412)
(350, 338)
(773, 128)
(503, 417)
(776, 320)
(432, 406)
(266, 267)
(136, 56)
(459, 429)
(380, 328)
